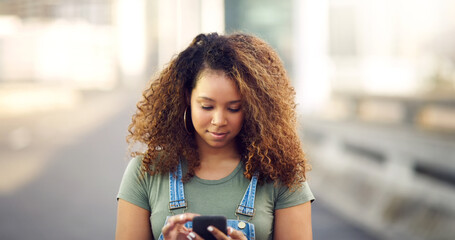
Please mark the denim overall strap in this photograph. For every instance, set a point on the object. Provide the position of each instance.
(176, 193)
(246, 206)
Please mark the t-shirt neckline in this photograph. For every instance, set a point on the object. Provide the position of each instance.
(222, 180)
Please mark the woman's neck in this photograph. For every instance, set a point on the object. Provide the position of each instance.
(217, 163)
(208, 153)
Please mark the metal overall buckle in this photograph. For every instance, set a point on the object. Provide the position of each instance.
(242, 223)
(173, 205)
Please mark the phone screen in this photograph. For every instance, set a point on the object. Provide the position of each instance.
(200, 224)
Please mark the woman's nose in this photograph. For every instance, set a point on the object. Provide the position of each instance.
(219, 119)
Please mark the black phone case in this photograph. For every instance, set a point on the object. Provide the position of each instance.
(200, 224)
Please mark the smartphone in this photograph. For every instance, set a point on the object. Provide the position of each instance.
(200, 224)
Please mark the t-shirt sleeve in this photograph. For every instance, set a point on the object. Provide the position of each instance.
(133, 187)
(289, 198)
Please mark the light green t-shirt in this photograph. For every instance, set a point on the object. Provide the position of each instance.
(208, 197)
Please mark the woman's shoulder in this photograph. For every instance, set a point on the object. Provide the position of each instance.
(136, 173)
(136, 160)
(290, 196)
(138, 163)
(136, 167)
(134, 164)
(279, 190)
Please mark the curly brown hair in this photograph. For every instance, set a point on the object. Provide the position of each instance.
(268, 142)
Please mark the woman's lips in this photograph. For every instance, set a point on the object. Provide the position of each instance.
(217, 135)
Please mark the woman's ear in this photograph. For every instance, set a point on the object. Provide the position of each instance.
(188, 97)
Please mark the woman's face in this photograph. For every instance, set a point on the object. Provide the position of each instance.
(216, 110)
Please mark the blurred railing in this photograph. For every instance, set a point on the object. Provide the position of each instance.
(387, 163)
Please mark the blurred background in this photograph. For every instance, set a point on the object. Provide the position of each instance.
(375, 83)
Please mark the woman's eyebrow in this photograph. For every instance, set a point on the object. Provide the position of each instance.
(206, 98)
(212, 100)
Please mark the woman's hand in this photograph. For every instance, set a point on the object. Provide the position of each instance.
(175, 228)
(232, 234)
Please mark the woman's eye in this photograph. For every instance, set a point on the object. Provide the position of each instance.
(207, 107)
(234, 109)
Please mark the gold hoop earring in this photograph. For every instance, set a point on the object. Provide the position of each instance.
(184, 121)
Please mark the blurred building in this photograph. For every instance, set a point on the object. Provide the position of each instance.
(375, 83)
(97, 43)
(58, 42)
(57, 48)
(382, 135)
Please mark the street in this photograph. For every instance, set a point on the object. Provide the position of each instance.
(73, 194)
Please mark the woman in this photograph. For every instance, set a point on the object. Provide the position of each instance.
(218, 118)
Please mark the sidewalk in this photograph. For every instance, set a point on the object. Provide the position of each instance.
(69, 191)
(37, 120)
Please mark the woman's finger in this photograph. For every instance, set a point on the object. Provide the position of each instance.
(181, 218)
(193, 236)
(217, 233)
(175, 225)
(168, 227)
(234, 234)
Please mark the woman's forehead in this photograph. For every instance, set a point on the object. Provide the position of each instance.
(215, 84)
